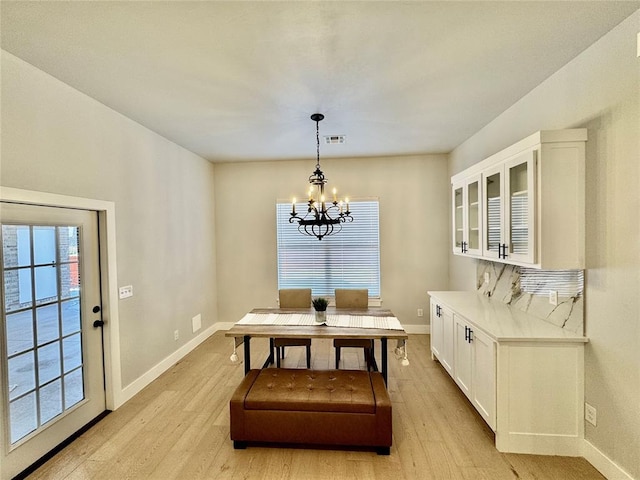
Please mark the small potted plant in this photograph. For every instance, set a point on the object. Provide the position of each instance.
(320, 305)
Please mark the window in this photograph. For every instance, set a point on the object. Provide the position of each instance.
(349, 259)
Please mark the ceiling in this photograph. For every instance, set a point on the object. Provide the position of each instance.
(234, 81)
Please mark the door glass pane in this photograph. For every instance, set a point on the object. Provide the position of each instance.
(69, 280)
(23, 416)
(46, 284)
(473, 199)
(48, 362)
(16, 246)
(19, 332)
(73, 388)
(72, 348)
(70, 316)
(17, 289)
(44, 245)
(22, 376)
(492, 208)
(68, 244)
(519, 209)
(47, 323)
(50, 401)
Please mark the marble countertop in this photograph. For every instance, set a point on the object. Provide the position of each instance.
(501, 322)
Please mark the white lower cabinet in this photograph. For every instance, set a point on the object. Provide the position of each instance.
(523, 375)
(442, 346)
(475, 368)
(483, 391)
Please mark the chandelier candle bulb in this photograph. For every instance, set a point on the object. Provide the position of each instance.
(293, 205)
(335, 199)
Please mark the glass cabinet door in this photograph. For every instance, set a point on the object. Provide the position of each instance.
(519, 207)
(474, 216)
(493, 217)
(458, 219)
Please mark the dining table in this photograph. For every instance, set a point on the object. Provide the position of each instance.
(371, 323)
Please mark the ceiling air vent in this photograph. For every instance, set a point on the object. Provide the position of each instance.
(335, 139)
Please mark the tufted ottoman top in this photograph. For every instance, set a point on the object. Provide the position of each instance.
(312, 390)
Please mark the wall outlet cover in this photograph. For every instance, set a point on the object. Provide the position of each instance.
(590, 414)
(126, 291)
(196, 323)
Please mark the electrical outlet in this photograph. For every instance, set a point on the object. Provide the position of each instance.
(590, 414)
(553, 297)
(420, 312)
(176, 334)
(487, 277)
(126, 291)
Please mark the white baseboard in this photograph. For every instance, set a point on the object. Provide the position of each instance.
(145, 379)
(603, 464)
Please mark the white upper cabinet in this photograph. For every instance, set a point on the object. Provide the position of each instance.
(531, 208)
(509, 207)
(467, 216)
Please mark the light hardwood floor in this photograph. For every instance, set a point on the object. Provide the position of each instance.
(178, 428)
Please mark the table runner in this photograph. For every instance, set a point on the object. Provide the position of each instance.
(332, 320)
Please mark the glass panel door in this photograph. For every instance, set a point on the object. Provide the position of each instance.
(52, 380)
(520, 207)
(493, 217)
(458, 219)
(474, 217)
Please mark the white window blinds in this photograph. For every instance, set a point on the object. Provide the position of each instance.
(349, 259)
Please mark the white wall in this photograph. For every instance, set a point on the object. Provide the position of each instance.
(413, 193)
(56, 139)
(598, 90)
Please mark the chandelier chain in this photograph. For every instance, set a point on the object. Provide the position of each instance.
(317, 144)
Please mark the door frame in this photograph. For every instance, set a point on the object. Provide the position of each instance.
(108, 275)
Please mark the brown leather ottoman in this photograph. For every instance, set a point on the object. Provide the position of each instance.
(312, 407)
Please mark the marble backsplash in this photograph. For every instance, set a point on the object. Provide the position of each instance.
(504, 286)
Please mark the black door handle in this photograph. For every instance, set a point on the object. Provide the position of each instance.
(98, 323)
